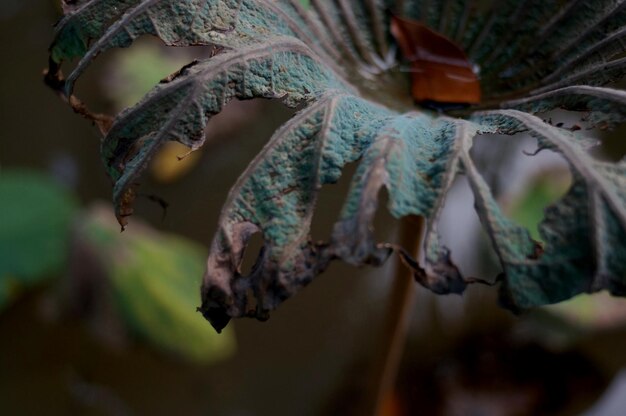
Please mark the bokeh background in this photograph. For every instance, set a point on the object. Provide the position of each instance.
(98, 322)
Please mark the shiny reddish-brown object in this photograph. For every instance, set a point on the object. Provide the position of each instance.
(440, 70)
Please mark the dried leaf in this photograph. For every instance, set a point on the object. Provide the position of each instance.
(440, 70)
(337, 61)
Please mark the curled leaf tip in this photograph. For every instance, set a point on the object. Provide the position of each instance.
(217, 317)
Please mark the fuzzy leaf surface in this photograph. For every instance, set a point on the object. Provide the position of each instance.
(337, 62)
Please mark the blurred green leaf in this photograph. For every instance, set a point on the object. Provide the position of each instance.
(592, 312)
(135, 72)
(528, 208)
(35, 214)
(154, 280)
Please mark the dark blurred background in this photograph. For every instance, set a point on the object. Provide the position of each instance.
(97, 322)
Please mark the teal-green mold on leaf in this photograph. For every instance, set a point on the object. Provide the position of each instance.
(606, 107)
(101, 25)
(411, 150)
(583, 233)
(179, 110)
(336, 61)
(540, 281)
(83, 23)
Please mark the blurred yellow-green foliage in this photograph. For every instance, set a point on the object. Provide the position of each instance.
(153, 278)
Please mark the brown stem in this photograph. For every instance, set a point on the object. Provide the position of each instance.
(53, 78)
(397, 319)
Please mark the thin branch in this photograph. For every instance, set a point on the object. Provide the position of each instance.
(397, 319)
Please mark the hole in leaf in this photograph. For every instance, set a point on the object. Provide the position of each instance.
(251, 253)
(523, 185)
(462, 232)
(129, 73)
(542, 189)
(223, 159)
(330, 201)
(493, 156)
(134, 71)
(385, 226)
